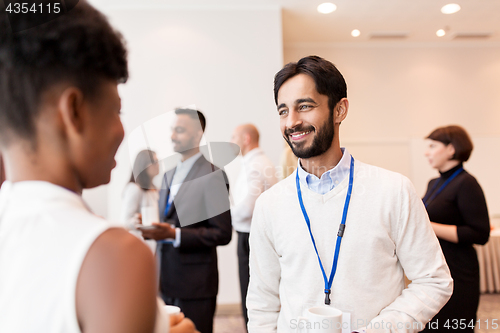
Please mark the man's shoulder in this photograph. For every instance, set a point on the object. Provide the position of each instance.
(377, 174)
(208, 168)
(209, 174)
(203, 165)
(377, 171)
(206, 165)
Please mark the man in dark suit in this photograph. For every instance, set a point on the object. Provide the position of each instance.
(194, 211)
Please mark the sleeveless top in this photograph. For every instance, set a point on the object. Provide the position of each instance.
(45, 234)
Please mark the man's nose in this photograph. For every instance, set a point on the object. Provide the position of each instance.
(293, 119)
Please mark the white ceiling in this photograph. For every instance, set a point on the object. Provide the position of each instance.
(418, 19)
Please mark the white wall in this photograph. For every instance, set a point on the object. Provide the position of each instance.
(400, 92)
(223, 61)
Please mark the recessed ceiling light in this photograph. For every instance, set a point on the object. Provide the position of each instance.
(327, 8)
(440, 33)
(450, 8)
(355, 33)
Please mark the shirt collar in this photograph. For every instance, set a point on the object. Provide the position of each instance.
(188, 164)
(254, 152)
(336, 174)
(447, 174)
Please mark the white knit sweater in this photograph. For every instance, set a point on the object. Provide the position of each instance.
(387, 234)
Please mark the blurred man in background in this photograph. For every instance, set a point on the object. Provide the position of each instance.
(257, 175)
(194, 196)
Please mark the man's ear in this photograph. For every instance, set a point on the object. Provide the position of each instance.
(71, 109)
(340, 111)
(199, 135)
(246, 138)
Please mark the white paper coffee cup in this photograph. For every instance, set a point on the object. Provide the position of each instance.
(149, 215)
(172, 310)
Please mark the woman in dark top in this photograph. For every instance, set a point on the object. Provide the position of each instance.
(459, 216)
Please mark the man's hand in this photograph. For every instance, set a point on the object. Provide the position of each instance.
(180, 324)
(162, 231)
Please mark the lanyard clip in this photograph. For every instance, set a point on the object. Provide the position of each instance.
(327, 296)
(341, 230)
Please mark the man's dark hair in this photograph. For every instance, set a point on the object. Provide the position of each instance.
(326, 76)
(458, 137)
(79, 47)
(195, 114)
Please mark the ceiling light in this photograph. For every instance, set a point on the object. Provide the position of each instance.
(355, 33)
(450, 8)
(440, 33)
(327, 8)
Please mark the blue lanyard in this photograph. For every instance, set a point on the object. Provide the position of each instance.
(328, 282)
(427, 200)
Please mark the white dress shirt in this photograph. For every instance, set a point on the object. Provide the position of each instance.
(257, 175)
(180, 174)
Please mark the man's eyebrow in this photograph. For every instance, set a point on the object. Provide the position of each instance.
(305, 100)
(299, 101)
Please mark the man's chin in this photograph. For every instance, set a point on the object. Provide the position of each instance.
(304, 152)
(300, 153)
(297, 148)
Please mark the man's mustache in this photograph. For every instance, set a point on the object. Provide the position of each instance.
(289, 131)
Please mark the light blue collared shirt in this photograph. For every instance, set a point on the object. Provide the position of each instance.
(329, 179)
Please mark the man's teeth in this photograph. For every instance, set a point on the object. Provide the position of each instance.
(300, 134)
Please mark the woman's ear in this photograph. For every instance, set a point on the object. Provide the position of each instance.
(71, 109)
(340, 111)
(450, 150)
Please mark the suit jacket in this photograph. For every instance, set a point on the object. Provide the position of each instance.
(201, 209)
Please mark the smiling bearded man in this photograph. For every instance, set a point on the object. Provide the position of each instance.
(299, 224)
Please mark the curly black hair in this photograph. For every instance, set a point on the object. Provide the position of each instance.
(79, 47)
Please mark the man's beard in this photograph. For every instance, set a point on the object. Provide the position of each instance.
(187, 146)
(321, 142)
